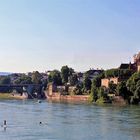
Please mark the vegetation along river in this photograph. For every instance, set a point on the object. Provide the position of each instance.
(67, 121)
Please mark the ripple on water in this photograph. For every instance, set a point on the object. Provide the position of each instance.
(68, 121)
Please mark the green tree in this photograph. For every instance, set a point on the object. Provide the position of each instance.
(102, 96)
(97, 81)
(112, 88)
(55, 77)
(78, 90)
(94, 93)
(112, 73)
(71, 71)
(125, 73)
(24, 79)
(101, 92)
(65, 73)
(94, 90)
(118, 73)
(122, 90)
(133, 85)
(73, 80)
(87, 83)
(36, 77)
(44, 82)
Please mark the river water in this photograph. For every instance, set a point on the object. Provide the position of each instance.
(67, 121)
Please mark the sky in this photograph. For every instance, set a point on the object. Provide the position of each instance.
(47, 34)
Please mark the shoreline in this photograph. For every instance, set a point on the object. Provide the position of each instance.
(67, 98)
(9, 96)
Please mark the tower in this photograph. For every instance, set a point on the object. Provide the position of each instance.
(137, 61)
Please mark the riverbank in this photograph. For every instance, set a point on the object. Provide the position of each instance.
(56, 96)
(74, 98)
(6, 96)
(9, 96)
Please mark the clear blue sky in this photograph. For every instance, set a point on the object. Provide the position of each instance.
(46, 34)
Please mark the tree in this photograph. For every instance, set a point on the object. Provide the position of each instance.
(65, 73)
(118, 73)
(55, 77)
(78, 90)
(24, 79)
(101, 92)
(133, 85)
(112, 87)
(36, 77)
(71, 71)
(87, 83)
(111, 73)
(94, 93)
(94, 90)
(125, 72)
(73, 80)
(97, 81)
(5, 80)
(44, 82)
(122, 90)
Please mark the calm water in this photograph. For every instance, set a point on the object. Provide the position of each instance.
(68, 121)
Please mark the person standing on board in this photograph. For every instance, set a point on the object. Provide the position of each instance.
(4, 125)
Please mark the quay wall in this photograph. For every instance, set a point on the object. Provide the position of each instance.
(75, 98)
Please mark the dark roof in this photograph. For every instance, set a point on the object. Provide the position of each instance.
(125, 66)
(80, 74)
(92, 72)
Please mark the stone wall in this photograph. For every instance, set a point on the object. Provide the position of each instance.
(73, 98)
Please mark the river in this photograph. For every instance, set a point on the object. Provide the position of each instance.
(67, 121)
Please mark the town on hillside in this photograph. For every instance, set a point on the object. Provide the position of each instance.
(117, 85)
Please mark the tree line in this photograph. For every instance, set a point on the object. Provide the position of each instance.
(129, 88)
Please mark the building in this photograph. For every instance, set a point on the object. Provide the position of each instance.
(124, 66)
(92, 73)
(132, 66)
(51, 89)
(80, 77)
(138, 67)
(137, 61)
(105, 82)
